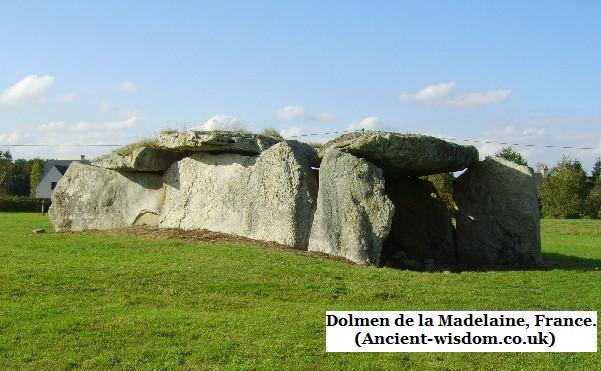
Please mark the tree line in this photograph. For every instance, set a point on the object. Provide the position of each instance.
(19, 177)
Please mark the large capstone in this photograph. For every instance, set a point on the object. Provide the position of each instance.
(498, 220)
(353, 215)
(401, 155)
(215, 141)
(90, 197)
(422, 235)
(147, 159)
(271, 197)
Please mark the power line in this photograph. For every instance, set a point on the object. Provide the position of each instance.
(61, 145)
(325, 133)
(328, 133)
(518, 144)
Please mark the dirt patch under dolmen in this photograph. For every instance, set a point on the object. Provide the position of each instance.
(201, 236)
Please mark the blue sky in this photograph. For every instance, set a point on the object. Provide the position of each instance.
(75, 72)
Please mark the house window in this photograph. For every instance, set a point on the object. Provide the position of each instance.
(52, 185)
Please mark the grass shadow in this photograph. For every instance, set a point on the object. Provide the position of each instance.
(569, 262)
(551, 261)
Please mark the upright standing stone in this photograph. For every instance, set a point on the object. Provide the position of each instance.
(498, 221)
(353, 214)
(90, 197)
(271, 197)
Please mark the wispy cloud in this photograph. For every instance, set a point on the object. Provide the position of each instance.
(430, 92)
(289, 113)
(9, 138)
(66, 97)
(55, 125)
(479, 99)
(126, 87)
(105, 126)
(442, 93)
(296, 112)
(292, 131)
(30, 89)
(541, 143)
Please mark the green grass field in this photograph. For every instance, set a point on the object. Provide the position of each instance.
(97, 300)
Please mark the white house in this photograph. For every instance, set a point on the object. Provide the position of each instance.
(53, 172)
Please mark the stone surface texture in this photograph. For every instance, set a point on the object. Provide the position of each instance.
(271, 197)
(145, 159)
(215, 141)
(353, 215)
(90, 197)
(498, 220)
(405, 154)
(422, 234)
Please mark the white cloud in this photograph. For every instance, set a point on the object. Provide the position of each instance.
(290, 113)
(55, 125)
(126, 87)
(221, 122)
(107, 126)
(540, 143)
(66, 97)
(430, 92)
(292, 131)
(369, 123)
(10, 138)
(479, 99)
(30, 89)
(436, 92)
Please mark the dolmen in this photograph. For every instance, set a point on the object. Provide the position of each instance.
(363, 196)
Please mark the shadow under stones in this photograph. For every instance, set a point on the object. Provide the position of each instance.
(422, 236)
(570, 263)
(551, 261)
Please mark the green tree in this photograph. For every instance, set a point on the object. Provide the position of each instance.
(17, 182)
(596, 172)
(6, 164)
(564, 192)
(508, 153)
(35, 175)
(593, 202)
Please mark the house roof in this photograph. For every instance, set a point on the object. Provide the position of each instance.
(61, 166)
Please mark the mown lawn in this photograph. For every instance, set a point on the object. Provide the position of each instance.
(112, 301)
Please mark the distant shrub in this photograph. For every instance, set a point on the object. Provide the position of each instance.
(509, 154)
(593, 203)
(128, 149)
(23, 204)
(270, 132)
(564, 192)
